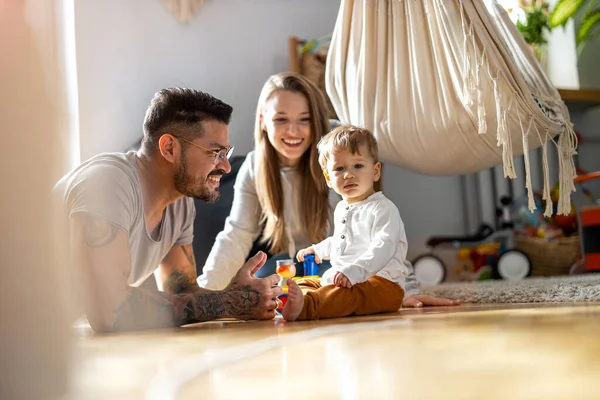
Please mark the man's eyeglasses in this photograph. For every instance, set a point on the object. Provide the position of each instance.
(220, 155)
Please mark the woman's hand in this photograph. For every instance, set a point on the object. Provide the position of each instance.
(420, 300)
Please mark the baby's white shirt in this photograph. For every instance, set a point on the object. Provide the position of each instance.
(369, 239)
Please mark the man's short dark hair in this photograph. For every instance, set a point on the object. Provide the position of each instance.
(181, 111)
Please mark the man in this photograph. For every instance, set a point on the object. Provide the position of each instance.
(131, 215)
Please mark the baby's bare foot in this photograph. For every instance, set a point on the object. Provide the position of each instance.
(294, 303)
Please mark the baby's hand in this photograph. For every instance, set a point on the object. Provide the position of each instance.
(308, 250)
(341, 280)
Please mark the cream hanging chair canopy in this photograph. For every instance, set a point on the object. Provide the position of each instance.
(448, 87)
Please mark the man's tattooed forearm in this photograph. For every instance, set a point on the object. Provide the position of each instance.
(99, 232)
(148, 310)
(178, 282)
(144, 310)
(206, 306)
(189, 253)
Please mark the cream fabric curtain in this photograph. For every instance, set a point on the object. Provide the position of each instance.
(36, 339)
(448, 87)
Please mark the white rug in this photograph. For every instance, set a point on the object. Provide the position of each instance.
(559, 289)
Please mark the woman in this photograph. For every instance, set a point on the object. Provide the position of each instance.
(281, 199)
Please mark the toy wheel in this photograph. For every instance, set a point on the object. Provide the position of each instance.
(513, 265)
(429, 269)
(283, 297)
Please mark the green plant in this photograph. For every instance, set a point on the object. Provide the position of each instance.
(589, 29)
(535, 22)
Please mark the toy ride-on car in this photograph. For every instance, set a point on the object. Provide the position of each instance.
(487, 254)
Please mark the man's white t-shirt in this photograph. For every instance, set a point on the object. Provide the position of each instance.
(107, 186)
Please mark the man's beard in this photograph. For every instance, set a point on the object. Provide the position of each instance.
(196, 188)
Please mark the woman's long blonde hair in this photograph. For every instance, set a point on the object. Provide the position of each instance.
(314, 207)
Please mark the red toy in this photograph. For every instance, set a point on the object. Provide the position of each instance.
(285, 269)
(588, 219)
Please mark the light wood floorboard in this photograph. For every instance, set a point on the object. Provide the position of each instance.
(502, 351)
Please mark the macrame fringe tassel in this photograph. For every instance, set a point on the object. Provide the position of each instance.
(546, 193)
(507, 149)
(481, 115)
(497, 100)
(502, 136)
(530, 200)
(567, 146)
(546, 171)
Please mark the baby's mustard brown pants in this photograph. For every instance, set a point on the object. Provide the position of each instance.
(376, 295)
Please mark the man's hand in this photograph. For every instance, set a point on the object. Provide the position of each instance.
(251, 297)
(309, 250)
(420, 300)
(341, 280)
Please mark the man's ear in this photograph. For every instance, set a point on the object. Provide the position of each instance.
(377, 171)
(168, 147)
(326, 175)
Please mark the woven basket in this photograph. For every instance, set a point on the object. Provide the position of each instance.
(550, 258)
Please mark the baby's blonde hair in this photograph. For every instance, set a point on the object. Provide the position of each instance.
(347, 137)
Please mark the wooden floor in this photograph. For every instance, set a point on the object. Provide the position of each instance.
(506, 351)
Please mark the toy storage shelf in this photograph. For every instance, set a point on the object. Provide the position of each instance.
(582, 98)
(580, 101)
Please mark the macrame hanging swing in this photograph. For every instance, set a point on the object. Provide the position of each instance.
(448, 87)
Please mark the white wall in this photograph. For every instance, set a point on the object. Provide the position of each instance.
(127, 50)
(428, 205)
